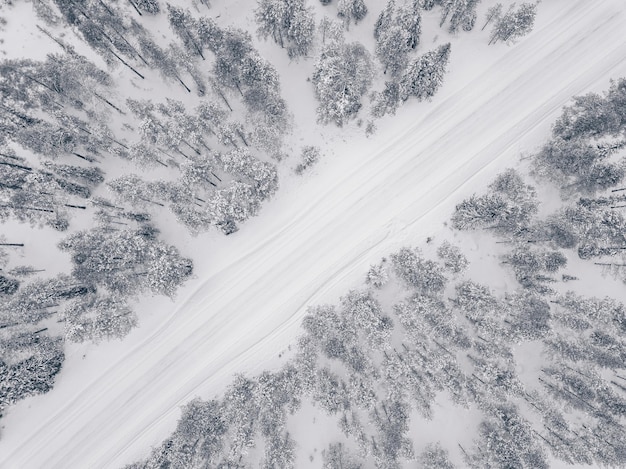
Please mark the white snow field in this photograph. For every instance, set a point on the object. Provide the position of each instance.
(316, 239)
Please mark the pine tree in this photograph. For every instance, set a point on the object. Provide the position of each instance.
(342, 76)
(514, 23)
(425, 75)
(349, 10)
(397, 32)
(289, 22)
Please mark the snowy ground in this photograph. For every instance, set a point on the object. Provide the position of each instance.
(315, 239)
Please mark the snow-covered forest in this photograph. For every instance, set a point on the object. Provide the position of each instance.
(289, 233)
(539, 367)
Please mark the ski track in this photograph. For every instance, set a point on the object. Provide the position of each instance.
(258, 297)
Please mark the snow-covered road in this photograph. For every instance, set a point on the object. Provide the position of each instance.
(312, 241)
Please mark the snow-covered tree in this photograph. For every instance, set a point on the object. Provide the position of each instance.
(127, 261)
(509, 207)
(493, 14)
(289, 22)
(96, 317)
(349, 10)
(425, 75)
(342, 76)
(452, 257)
(336, 455)
(310, 156)
(377, 275)
(397, 32)
(423, 275)
(435, 456)
(514, 24)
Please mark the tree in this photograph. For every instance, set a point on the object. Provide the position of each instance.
(148, 6)
(363, 309)
(8, 285)
(435, 456)
(578, 165)
(262, 175)
(514, 23)
(493, 14)
(425, 75)
(310, 156)
(377, 275)
(290, 23)
(463, 14)
(127, 261)
(95, 317)
(349, 10)
(336, 455)
(561, 159)
(235, 203)
(33, 361)
(397, 33)
(39, 299)
(423, 275)
(590, 116)
(476, 301)
(508, 208)
(505, 439)
(452, 257)
(184, 25)
(530, 316)
(342, 76)
(529, 266)
(279, 452)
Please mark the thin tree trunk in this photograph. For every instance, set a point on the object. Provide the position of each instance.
(9, 156)
(152, 201)
(17, 166)
(224, 98)
(131, 46)
(27, 208)
(106, 7)
(86, 158)
(52, 37)
(135, 7)
(119, 143)
(488, 21)
(194, 149)
(176, 149)
(182, 83)
(242, 137)
(194, 43)
(109, 103)
(122, 60)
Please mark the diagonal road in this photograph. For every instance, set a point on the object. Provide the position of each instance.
(316, 238)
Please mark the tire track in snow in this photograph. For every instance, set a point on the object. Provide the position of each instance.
(130, 401)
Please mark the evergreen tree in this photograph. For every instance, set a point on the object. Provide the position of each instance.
(424, 76)
(289, 22)
(462, 13)
(342, 75)
(96, 317)
(493, 14)
(435, 457)
(514, 23)
(349, 10)
(397, 32)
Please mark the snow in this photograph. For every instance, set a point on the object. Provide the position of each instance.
(316, 239)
